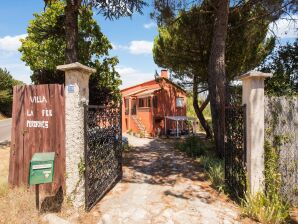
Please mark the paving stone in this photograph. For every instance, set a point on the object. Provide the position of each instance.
(54, 219)
(162, 186)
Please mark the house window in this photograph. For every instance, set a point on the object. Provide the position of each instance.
(155, 101)
(148, 102)
(141, 102)
(126, 103)
(145, 102)
(179, 102)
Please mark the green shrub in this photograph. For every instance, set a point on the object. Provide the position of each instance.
(126, 147)
(142, 134)
(194, 146)
(215, 171)
(268, 207)
(265, 208)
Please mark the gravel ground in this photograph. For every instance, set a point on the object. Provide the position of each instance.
(161, 185)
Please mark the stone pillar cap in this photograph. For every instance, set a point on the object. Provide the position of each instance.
(254, 75)
(76, 66)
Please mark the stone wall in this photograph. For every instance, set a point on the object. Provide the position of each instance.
(76, 95)
(281, 124)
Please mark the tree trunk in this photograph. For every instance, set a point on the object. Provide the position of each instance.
(198, 110)
(205, 103)
(71, 30)
(217, 73)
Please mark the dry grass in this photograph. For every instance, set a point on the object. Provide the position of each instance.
(2, 116)
(16, 205)
(4, 158)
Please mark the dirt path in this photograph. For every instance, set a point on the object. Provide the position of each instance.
(161, 185)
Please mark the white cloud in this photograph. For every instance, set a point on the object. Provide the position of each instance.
(11, 43)
(10, 58)
(286, 27)
(150, 25)
(140, 47)
(136, 47)
(19, 71)
(131, 76)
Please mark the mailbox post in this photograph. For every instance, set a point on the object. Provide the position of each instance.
(41, 171)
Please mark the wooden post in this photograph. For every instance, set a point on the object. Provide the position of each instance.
(177, 128)
(37, 196)
(129, 112)
(166, 134)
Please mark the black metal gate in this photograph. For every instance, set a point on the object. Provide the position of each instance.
(235, 150)
(103, 151)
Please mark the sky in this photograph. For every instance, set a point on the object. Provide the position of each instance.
(132, 40)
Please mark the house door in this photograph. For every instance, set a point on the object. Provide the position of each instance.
(133, 107)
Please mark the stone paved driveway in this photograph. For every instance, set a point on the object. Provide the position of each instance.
(160, 185)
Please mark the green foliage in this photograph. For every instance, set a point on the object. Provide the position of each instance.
(142, 134)
(114, 9)
(268, 207)
(191, 112)
(283, 63)
(81, 167)
(264, 209)
(194, 146)
(44, 48)
(215, 171)
(126, 147)
(6, 91)
(183, 45)
(203, 150)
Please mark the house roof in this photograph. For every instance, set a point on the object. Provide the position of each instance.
(167, 80)
(135, 92)
(147, 92)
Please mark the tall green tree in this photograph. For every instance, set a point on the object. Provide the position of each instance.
(166, 12)
(43, 49)
(6, 91)
(217, 71)
(184, 47)
(112, 9)
(283, 64)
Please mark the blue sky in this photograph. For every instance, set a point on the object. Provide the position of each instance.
(132, 39)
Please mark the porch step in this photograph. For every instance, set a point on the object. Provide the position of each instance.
(140, 126)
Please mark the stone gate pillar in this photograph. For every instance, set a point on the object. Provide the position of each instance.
(76, 95)
(253, 97)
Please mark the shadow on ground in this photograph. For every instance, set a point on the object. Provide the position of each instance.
(162, 164)
(52, 203)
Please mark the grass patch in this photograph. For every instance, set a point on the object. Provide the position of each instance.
(194, 146)
(269, 207)
(2, 116)
(215, 171)
(4, 165)
(17, 205)
(265, 209)
(203, 150)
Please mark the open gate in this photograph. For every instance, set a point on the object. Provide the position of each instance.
(103, 151)
(235, 150)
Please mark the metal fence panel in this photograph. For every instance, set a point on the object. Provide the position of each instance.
(103, 151)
